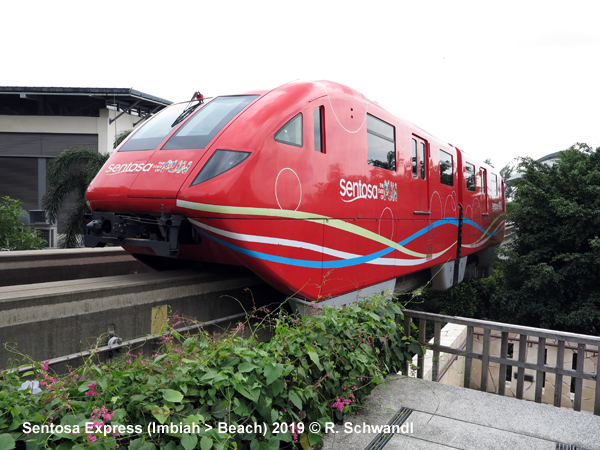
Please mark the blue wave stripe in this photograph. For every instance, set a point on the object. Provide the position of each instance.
(314, 264)
(329, 264)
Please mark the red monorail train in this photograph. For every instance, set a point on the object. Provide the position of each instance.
(316, 189)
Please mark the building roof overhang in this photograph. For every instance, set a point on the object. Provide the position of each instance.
(125, 100)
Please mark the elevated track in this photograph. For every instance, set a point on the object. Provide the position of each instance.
(55, 318)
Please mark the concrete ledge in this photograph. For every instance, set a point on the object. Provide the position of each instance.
(39, 266)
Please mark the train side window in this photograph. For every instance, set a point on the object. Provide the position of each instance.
(483, 180)
(381, 143)
(470, 177)
(423, 161)
(414, 158)
(319, 129)
(291, 132)
(494, 186)
(446, 168)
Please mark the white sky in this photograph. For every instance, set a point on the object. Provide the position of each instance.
(497, 79)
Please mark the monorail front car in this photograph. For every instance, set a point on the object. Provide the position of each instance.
(316, 189)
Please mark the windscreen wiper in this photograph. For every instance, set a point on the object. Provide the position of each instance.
(190, 107)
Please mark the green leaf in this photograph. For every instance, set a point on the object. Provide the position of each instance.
(313, 438)
(246, 367)
(415, 348)
(277, 386)
(160, 413)
(273, 372)
(189, 441)
(141, 444)
(315, 359)
(7, 442)
(295, 400)
(171, 395)
(250, 394)
(206, 443)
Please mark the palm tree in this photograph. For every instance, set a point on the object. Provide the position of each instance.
(71, 172)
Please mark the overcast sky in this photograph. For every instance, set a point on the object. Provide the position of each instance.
(496, 79)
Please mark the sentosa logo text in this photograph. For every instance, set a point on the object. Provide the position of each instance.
(114, 169)
(355, 190)
(170, 166)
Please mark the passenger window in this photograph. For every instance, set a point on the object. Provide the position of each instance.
(470, 177)
(483, 180)
(494, 186)
(319, 129)
(419, 159)
(414, 158)
(446, 168)
(423, 161)
(381, 143)
(291, 132)
(201, 128)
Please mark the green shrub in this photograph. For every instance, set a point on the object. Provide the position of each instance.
(13, 235)
(202, 392)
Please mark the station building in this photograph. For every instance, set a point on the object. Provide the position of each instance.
(38, 123)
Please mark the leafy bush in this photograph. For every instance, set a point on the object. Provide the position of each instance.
(201, 392)
(552, 267)
(13, 235)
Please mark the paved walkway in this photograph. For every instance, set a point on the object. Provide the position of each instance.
(441, 417)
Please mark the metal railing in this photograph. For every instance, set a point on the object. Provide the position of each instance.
(526, 336)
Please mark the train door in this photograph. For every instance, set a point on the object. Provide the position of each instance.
(420, 166)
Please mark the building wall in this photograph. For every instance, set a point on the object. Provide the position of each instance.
(98, 126)
(28, 142)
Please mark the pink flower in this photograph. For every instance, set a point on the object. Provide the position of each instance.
(91, 438)
(92, 390)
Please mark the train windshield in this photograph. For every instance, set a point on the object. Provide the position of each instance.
(205, 124)
(152, 133)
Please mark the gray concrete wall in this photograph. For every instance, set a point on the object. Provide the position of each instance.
(54, 319)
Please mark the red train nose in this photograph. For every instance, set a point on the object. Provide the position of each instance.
(163, 175)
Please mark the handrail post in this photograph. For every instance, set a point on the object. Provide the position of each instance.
(422, 342)
(468, 359)
(485, 358)
(558, 378)
(407, 330)
(435, 363)
(539, 374)
(503, 366)
(521, 370)
(597, 396)
(578, 380)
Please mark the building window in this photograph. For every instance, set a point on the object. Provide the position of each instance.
(470, 177)
(446, 168)
(381, 143)
(291, 132)
(319, 129)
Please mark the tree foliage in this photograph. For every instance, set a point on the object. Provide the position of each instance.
(550, 277)
(69, 175)
(13, 235)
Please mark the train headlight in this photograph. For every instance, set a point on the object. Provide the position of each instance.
(221, 161)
